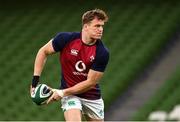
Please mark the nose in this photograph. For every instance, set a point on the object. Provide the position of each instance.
(101, 29)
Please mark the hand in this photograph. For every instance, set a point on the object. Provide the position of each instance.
(32, 89)
(57, 95)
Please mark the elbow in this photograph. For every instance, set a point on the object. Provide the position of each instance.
(92, 84)
(42, 51)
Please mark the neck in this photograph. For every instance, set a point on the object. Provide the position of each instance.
(86, 39)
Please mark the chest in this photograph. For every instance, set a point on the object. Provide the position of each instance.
(77, 51)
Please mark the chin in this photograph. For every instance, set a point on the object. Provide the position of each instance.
(98, 37)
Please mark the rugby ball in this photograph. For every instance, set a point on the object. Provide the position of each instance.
(41, 94)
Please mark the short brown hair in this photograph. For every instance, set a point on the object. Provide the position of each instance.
(90, 15)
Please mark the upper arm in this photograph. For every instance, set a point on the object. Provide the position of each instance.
(48, 48)
(57, 43)
(101, 60)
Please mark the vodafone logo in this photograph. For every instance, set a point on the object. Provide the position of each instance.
(80, 66)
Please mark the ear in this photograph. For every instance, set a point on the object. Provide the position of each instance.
(85, 26)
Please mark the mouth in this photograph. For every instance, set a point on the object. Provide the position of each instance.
(99, 34)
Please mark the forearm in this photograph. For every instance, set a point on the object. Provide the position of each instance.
(39, 62)
(92, 80)
(79, 88)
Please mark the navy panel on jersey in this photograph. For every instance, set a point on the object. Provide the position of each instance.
(61, 39)
(102, 58)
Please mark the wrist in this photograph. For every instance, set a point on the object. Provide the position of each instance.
(35, 81)
(59, 92)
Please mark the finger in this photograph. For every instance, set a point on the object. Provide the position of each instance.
(50, 99)
(53, 90)
(56, 98)
(32, 90)
(49, 88)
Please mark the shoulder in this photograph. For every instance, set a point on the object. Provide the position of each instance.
(101, 48)
(62, 38)
(68, 35)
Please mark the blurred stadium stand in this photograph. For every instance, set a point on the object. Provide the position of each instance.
(136, 33)
(148, 82)
(164, 105)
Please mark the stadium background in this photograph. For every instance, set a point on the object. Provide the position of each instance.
(136, 33)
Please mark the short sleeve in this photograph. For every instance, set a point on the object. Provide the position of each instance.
(60, 40)
(101, 60)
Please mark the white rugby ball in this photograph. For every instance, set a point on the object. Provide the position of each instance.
(41, 94)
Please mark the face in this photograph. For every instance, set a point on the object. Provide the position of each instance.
(95, 28)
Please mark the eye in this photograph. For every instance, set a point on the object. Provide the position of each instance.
(98, 25)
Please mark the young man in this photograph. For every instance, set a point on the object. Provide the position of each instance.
(83, 59)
